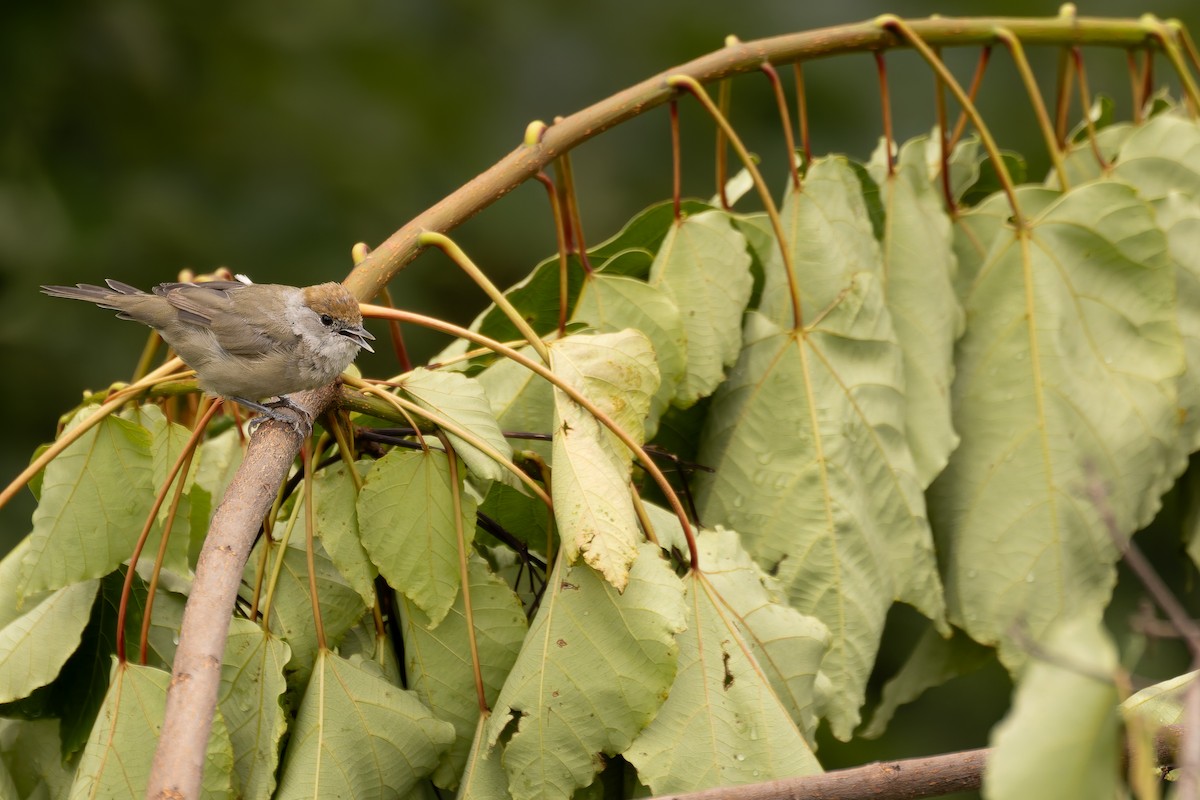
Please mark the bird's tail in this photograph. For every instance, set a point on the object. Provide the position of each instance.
(102, 296)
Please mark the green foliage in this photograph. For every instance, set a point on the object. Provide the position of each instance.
(964, 413)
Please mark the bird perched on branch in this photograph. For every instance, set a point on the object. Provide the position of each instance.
(246, 341)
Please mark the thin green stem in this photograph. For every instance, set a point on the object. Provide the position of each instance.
(785, 120)
(447, 245)
(310, 530)
(464, 573)
(690, 83)
(1168, 36)
(1035, 98)
(894, 23)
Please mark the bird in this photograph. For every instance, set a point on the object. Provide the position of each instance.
(246, 341)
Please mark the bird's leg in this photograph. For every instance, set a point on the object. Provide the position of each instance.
(286, 402)
(298, 420)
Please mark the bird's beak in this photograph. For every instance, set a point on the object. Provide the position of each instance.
(359, 335)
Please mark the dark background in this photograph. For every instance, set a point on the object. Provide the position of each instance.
(138, 138)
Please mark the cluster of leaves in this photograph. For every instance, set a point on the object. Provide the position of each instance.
(963, 414)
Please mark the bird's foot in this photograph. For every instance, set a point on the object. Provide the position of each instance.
(294, 416)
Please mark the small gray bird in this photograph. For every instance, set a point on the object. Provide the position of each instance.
(246, 341)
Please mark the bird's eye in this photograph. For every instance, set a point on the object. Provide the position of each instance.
(326, 320)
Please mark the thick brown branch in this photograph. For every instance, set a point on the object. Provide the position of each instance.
(370, 276)
(196, 673)
(909, 779)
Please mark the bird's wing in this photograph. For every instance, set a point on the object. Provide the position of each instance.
(198, 303)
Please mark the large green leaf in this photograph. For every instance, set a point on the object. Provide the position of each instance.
(438, 660)
(806, 438)
(356, 735)
(95, 499)
(723, 723)
(462, 400)
(788, 646)
(406, 515)
(35, 645)
(918, 271)
(593, 672)
(611, 303)
(704, 267)
(252, 685)
(1161, 159)
(116, 760)
(590, 490)
(336, 514)
(1060, 741)
(1065, 390)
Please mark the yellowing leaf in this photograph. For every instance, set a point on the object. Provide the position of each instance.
(336, 515)
(590, 490)
(611, 303)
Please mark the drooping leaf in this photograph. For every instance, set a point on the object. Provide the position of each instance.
(918, 273)
(95, 498)
(610, 303)
(464, 401)
(336, 517)
(1060, 740)
(806, 438)
(438, 660)
(723, 724)
(592, 673)
(1065, 401)
(252, 684)
(356, 735)
(406, 515)
(590, 489)
(116, 760)
(704, 267)
(1161, 159)
(787, 645)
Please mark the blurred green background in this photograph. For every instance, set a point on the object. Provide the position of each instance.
(137, 139)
